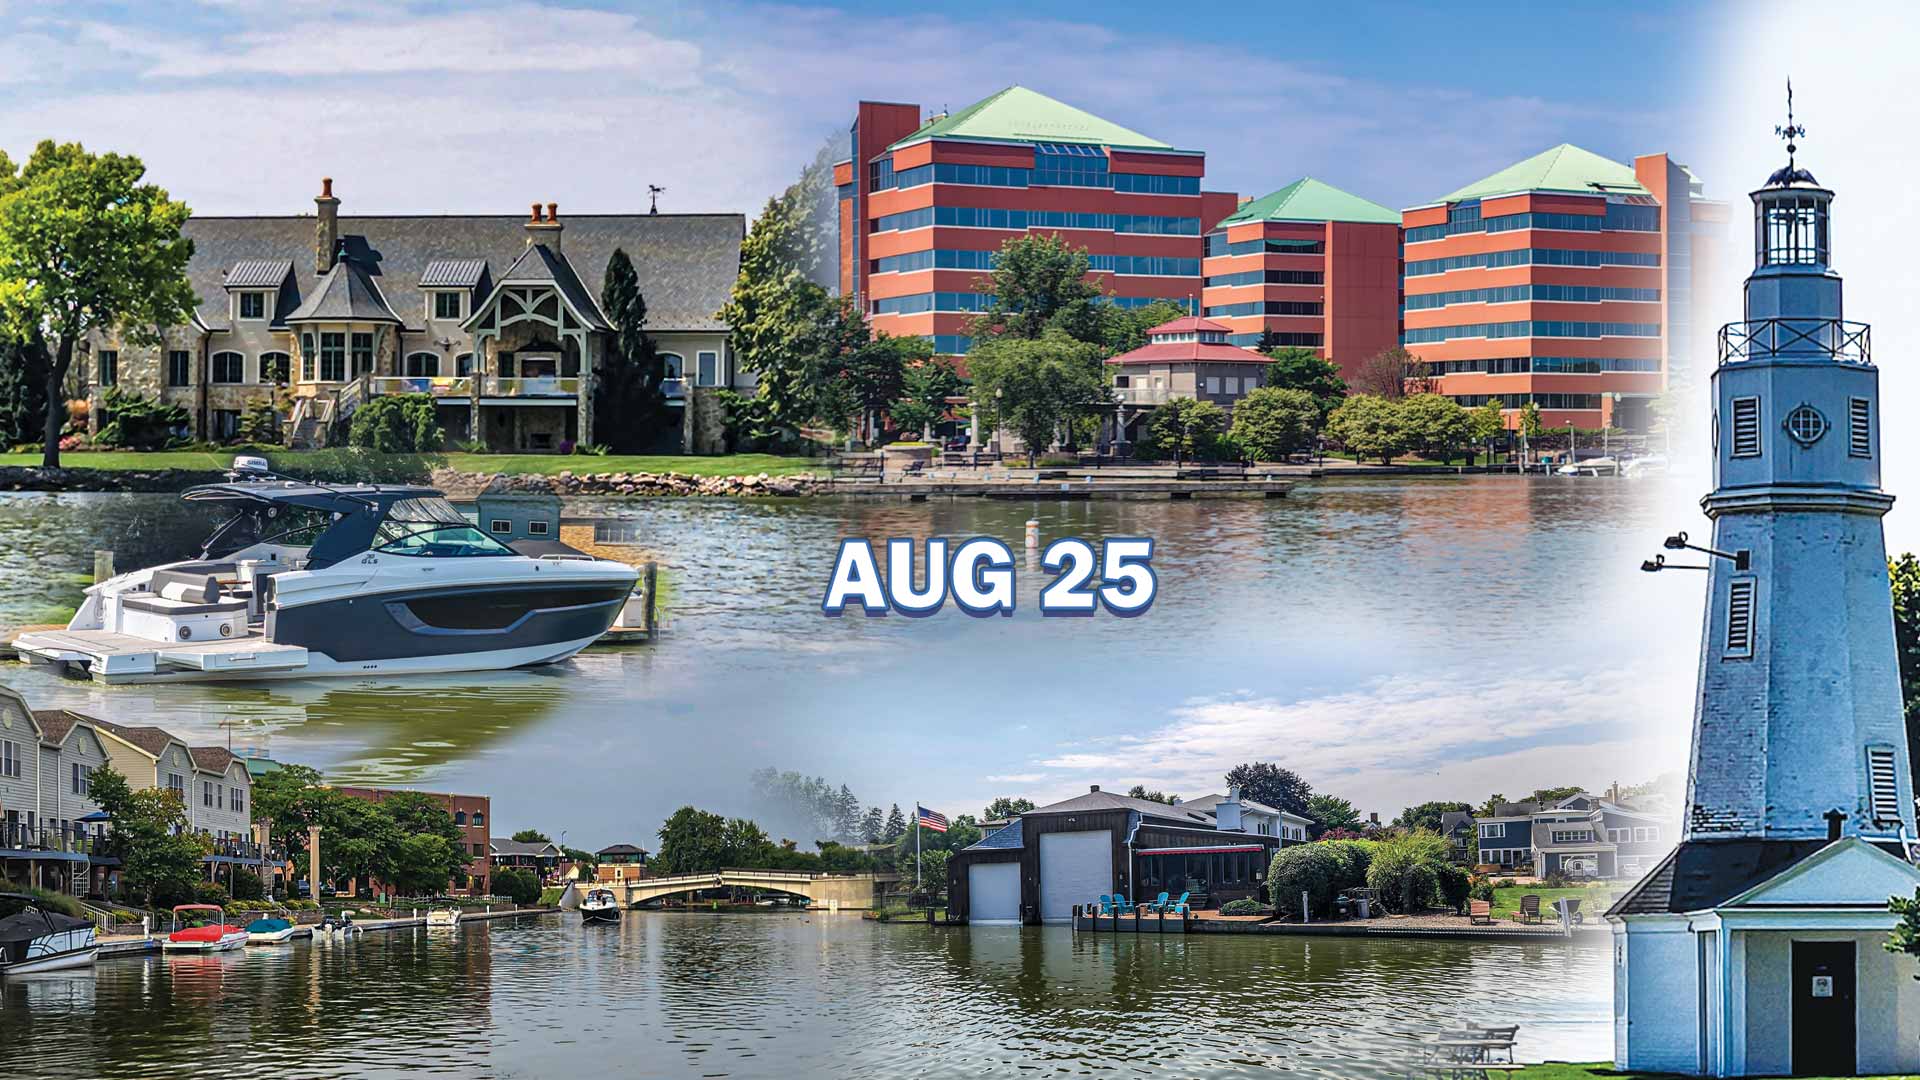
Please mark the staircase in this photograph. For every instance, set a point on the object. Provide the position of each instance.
(304, 431)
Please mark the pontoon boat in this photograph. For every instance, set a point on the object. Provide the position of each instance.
(34, 939)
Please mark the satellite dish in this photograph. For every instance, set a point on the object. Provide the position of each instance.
(251, 463)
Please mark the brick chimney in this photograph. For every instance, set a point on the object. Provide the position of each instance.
(326, 227)
(545, 228)
(1093, 789)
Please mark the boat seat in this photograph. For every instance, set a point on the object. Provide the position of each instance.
(161, 605)
(180, 592)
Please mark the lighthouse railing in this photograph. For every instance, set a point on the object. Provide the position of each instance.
(1831, 339)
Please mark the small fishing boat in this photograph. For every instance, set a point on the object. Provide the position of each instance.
(269, 930)
(338, 928)
(34, 939)
(443, 919)
(210, 934)
(600, 907)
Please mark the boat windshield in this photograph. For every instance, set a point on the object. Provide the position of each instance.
(283, 524)
(432, 528)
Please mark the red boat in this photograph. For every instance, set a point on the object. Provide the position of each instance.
(210, 934)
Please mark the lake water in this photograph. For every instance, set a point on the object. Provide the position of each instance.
(781, 996)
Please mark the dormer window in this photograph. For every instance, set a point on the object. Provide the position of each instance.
(449, 305)
(253, 305)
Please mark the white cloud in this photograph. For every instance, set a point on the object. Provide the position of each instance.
(1015, 778)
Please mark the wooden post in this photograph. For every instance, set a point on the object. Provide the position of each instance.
(102, 565)
(313, 863)
(652, 577)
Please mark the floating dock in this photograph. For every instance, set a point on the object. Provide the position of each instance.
(1073, 487)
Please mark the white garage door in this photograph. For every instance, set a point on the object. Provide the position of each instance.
(1075, 868)
(993, 893)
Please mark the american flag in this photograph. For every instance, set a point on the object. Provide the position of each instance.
(931, 820)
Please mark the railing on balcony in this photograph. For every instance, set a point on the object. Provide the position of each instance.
(565, 386)
(1142, 395)
(19, 836)
(244, 850)
(1832, 339)
(440, 386)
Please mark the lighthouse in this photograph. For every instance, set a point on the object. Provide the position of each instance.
(1757, 946)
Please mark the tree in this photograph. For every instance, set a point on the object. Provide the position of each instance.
(1491, 807)
(1549, 796)
(868, 379)
(692, 841)
(1427, 815)
(1404, 870)
(1034, 276)
(1332, 812)
(1278, 787)
(260, 425)
(518, 884)
(423, 863)
(1115, 328)
(1271, 423)
(397, 424)
(531, 836)
(1295, 368)
(1486, 423)
(628, 399)
(896, 826)
(1392, 374)
(159, 857)
(1905, 937)
(776, 318)
(873, 825)
(1369, 427)
(85, 246)
(1005, 808)
(23, 390)
(847, 820)
(1530, 423)
(925, 388)
(1185, 428)
(1313, 869)
(1139, 791)
(1904, 574)
(1436, 426)
(1035, 388)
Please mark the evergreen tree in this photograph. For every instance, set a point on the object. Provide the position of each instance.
(628, 403)
(896, 825)
(847, 822)
(23, 391)
(874, 826)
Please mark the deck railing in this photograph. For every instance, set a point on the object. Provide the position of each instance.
(565, 386)
(1832, 339)
(440, 386)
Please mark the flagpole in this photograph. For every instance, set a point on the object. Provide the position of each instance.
(916, 847)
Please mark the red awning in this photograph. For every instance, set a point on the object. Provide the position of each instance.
(1217, 849)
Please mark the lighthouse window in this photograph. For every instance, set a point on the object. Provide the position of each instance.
(1883, 794)
(1740, 618)
(1746, 427)
(1859, 427)
(1806, 425)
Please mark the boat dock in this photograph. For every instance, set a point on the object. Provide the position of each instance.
(1385, 927)
(1061, 486)
(137, 945)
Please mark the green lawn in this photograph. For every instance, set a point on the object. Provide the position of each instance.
(1594, 901)
(1556, 1070)
(290, 462)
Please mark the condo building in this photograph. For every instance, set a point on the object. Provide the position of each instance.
(925, 205)
(1310, 266)
(1565, 280)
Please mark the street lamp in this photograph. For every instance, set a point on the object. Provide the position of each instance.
(1741, 559)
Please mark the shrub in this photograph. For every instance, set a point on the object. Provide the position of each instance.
(397, 424)
(136, 422)
(1315, 869)
(1556, 880)
(210, 892)
(1405, 870)
(1454, 885)
(260, 425)
(515, 883)
(1355, 857)
(1245, 906)
(1481, 890)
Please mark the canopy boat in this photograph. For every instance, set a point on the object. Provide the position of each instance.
(305, 579)
(212, 934)
(269, 930)
(600, 907)
(33, 939)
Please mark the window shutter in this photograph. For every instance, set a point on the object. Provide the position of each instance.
(1859, 427)
(1883, 794)
(1746, 427)
(1740, 617)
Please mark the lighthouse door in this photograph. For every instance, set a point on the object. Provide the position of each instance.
(1823, 1009)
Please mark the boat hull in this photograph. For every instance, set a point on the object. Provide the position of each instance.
(600, 915)
(221, 944)
(446, 624)
(57, 961)
(271, 937)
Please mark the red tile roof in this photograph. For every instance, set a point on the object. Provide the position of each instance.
(1189, 352)
(1188, 325)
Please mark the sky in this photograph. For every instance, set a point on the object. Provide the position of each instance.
(240, 106)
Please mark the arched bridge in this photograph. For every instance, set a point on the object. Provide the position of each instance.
(854, 892)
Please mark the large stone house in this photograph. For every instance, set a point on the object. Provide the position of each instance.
(496, 316)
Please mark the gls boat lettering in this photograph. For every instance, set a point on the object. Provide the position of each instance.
(979, 577)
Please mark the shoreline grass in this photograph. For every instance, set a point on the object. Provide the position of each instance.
(290, 461)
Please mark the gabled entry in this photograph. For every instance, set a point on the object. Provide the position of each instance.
(1825, 1032)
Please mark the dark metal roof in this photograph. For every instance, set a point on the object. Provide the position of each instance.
(1700, 874)
(686, 262)
(1107, 800)
(453, 273)
(259, 273)
(347, 293)
(1011, 836)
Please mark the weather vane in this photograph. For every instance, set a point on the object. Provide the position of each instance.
(1792, 130)
(654, 190)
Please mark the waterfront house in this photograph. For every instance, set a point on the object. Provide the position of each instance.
(1580, 836)
(1039, 866)
(494, 316)
(541, 857)
(620, 862)
(1234, 812)
(1186, 358)
(470, 814)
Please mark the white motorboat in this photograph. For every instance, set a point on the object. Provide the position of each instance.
(34, 939)
(600, 906)
(308, 579)
(270, 930)
(341, 928)
(443, 919)
(212, 933)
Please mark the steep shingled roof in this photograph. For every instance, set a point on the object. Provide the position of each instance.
(1307, 199)
(347, 293)
(1565, 168)
(1018, 114)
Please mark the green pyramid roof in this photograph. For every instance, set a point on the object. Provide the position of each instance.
(1564, 168)
(1018, 114)
(1307, 199)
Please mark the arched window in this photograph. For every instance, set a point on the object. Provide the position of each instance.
(676, 365)
(275, 367)
(463, 364)
(423, 365)
(229, 367)
(479, 819)
(459, 817)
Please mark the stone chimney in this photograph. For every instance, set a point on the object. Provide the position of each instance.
(544, 228)
(326, 227)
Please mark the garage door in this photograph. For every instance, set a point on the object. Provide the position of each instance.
(993, 893)
(1075, 868)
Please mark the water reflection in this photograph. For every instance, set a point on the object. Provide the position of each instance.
(800, 995)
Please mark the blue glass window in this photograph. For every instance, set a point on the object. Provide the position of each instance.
(1070, 165)
(1536, 256)
(1156, 184)
(1536, 328)
(1269, 277)
(1266, 307)
(1515, 293)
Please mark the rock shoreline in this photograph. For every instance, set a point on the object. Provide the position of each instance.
(34, 478)
(454, 483)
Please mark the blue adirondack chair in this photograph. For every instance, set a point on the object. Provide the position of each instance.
(1154, 904)
(1120, 905)
(1178, 907)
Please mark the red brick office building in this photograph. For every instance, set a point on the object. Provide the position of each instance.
(1310, 266)
(925, 204)
(1566, 280)
(470, 814)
